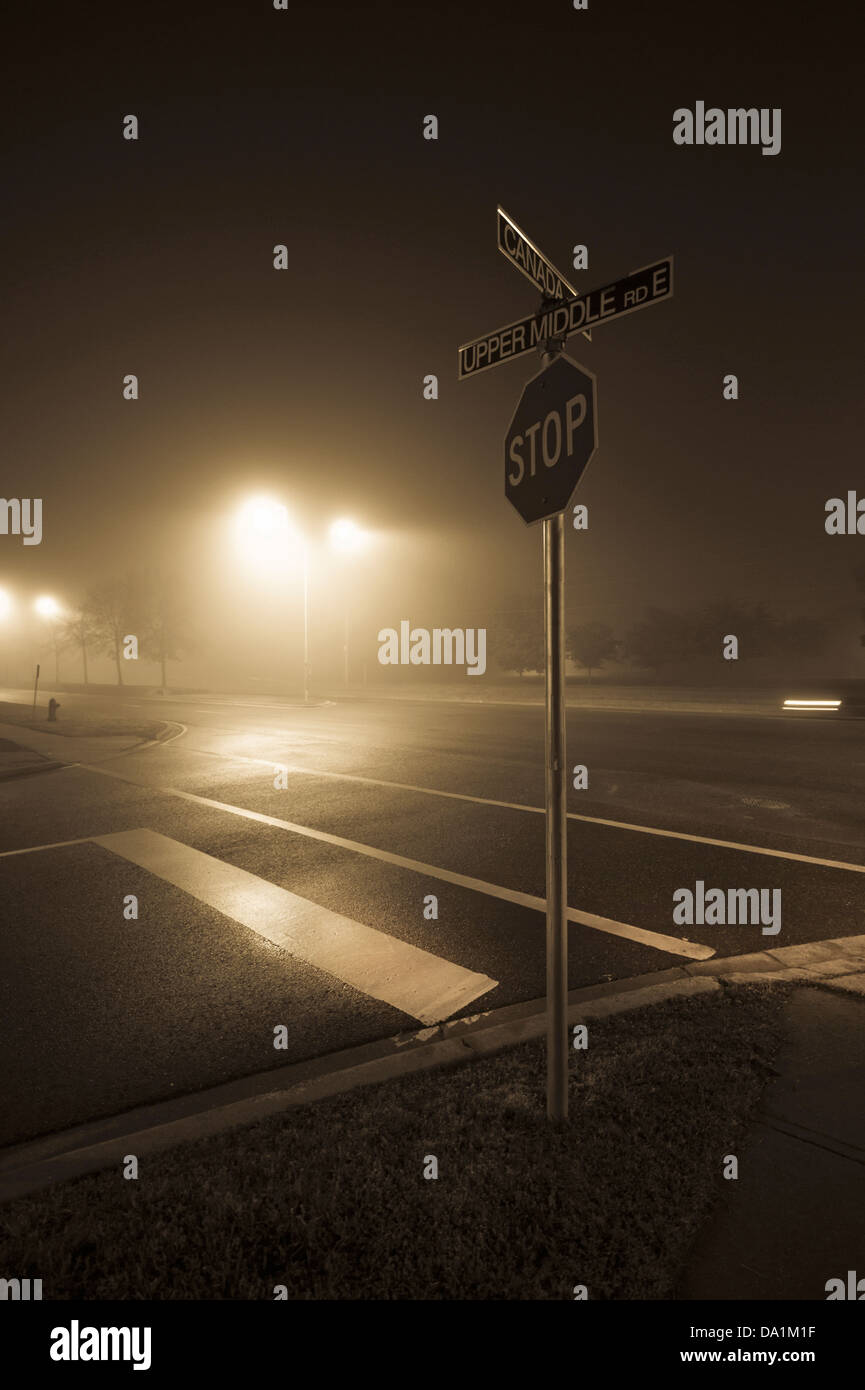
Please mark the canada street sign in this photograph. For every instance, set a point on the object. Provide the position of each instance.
(530, 260)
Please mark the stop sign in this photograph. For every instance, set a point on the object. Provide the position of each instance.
(551, 438)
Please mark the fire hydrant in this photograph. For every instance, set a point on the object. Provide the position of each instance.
(53, 707)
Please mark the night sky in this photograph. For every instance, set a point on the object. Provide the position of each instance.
(304, 127)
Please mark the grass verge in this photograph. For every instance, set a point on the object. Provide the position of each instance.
(80, 724)
(330, 1199)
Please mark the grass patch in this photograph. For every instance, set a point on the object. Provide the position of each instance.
(330, 1200)
(79, 723)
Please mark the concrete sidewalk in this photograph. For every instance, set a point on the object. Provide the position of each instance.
(16, 760)
(35, 749)
(795, 1216)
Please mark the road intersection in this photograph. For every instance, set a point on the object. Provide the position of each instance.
(283, 859)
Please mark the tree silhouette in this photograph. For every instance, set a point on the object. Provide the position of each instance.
(77, 631)
(591, 645)
(165, 635)
(661, 638)
(519, 639)
(112, 610)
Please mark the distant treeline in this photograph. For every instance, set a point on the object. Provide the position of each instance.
(660, 639)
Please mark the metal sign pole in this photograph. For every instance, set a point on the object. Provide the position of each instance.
(556, 818)
(305, 625)
(35, 688)
(556, 418)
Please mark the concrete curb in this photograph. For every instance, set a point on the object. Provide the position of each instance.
(36, 1164)
(32, 770)
(171, 730)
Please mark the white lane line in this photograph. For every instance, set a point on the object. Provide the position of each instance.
(539, 810)
(671, 944)
(56, 844)
(727, 844)
(416, 982)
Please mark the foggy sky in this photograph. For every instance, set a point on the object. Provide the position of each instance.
(259, 127)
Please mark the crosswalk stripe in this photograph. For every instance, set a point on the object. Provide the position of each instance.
(418, 983)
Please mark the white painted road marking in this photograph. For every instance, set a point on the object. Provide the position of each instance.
(674, 945)
(55, 844)
(539, 810)
(414, 981)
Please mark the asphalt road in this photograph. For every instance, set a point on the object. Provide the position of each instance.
(298, 900)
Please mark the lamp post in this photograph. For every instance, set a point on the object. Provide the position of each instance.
(267, 533)
(6, 607)
(48, 608)
(348, 538)
(305, 550)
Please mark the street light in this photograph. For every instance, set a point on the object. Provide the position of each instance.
(6, 610)
(48, 608)
(347, 536)
(264, 516)
(349, 539)
(266, 534)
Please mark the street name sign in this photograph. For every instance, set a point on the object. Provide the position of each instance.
(530, 260)
(551, 438)
(649, 285)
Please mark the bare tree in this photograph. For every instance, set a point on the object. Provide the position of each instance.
(77, 630)
(112, 609)
(165, 635)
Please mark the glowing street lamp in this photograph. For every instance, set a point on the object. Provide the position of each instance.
(266, 535)
(263, 517)
(347, 537)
